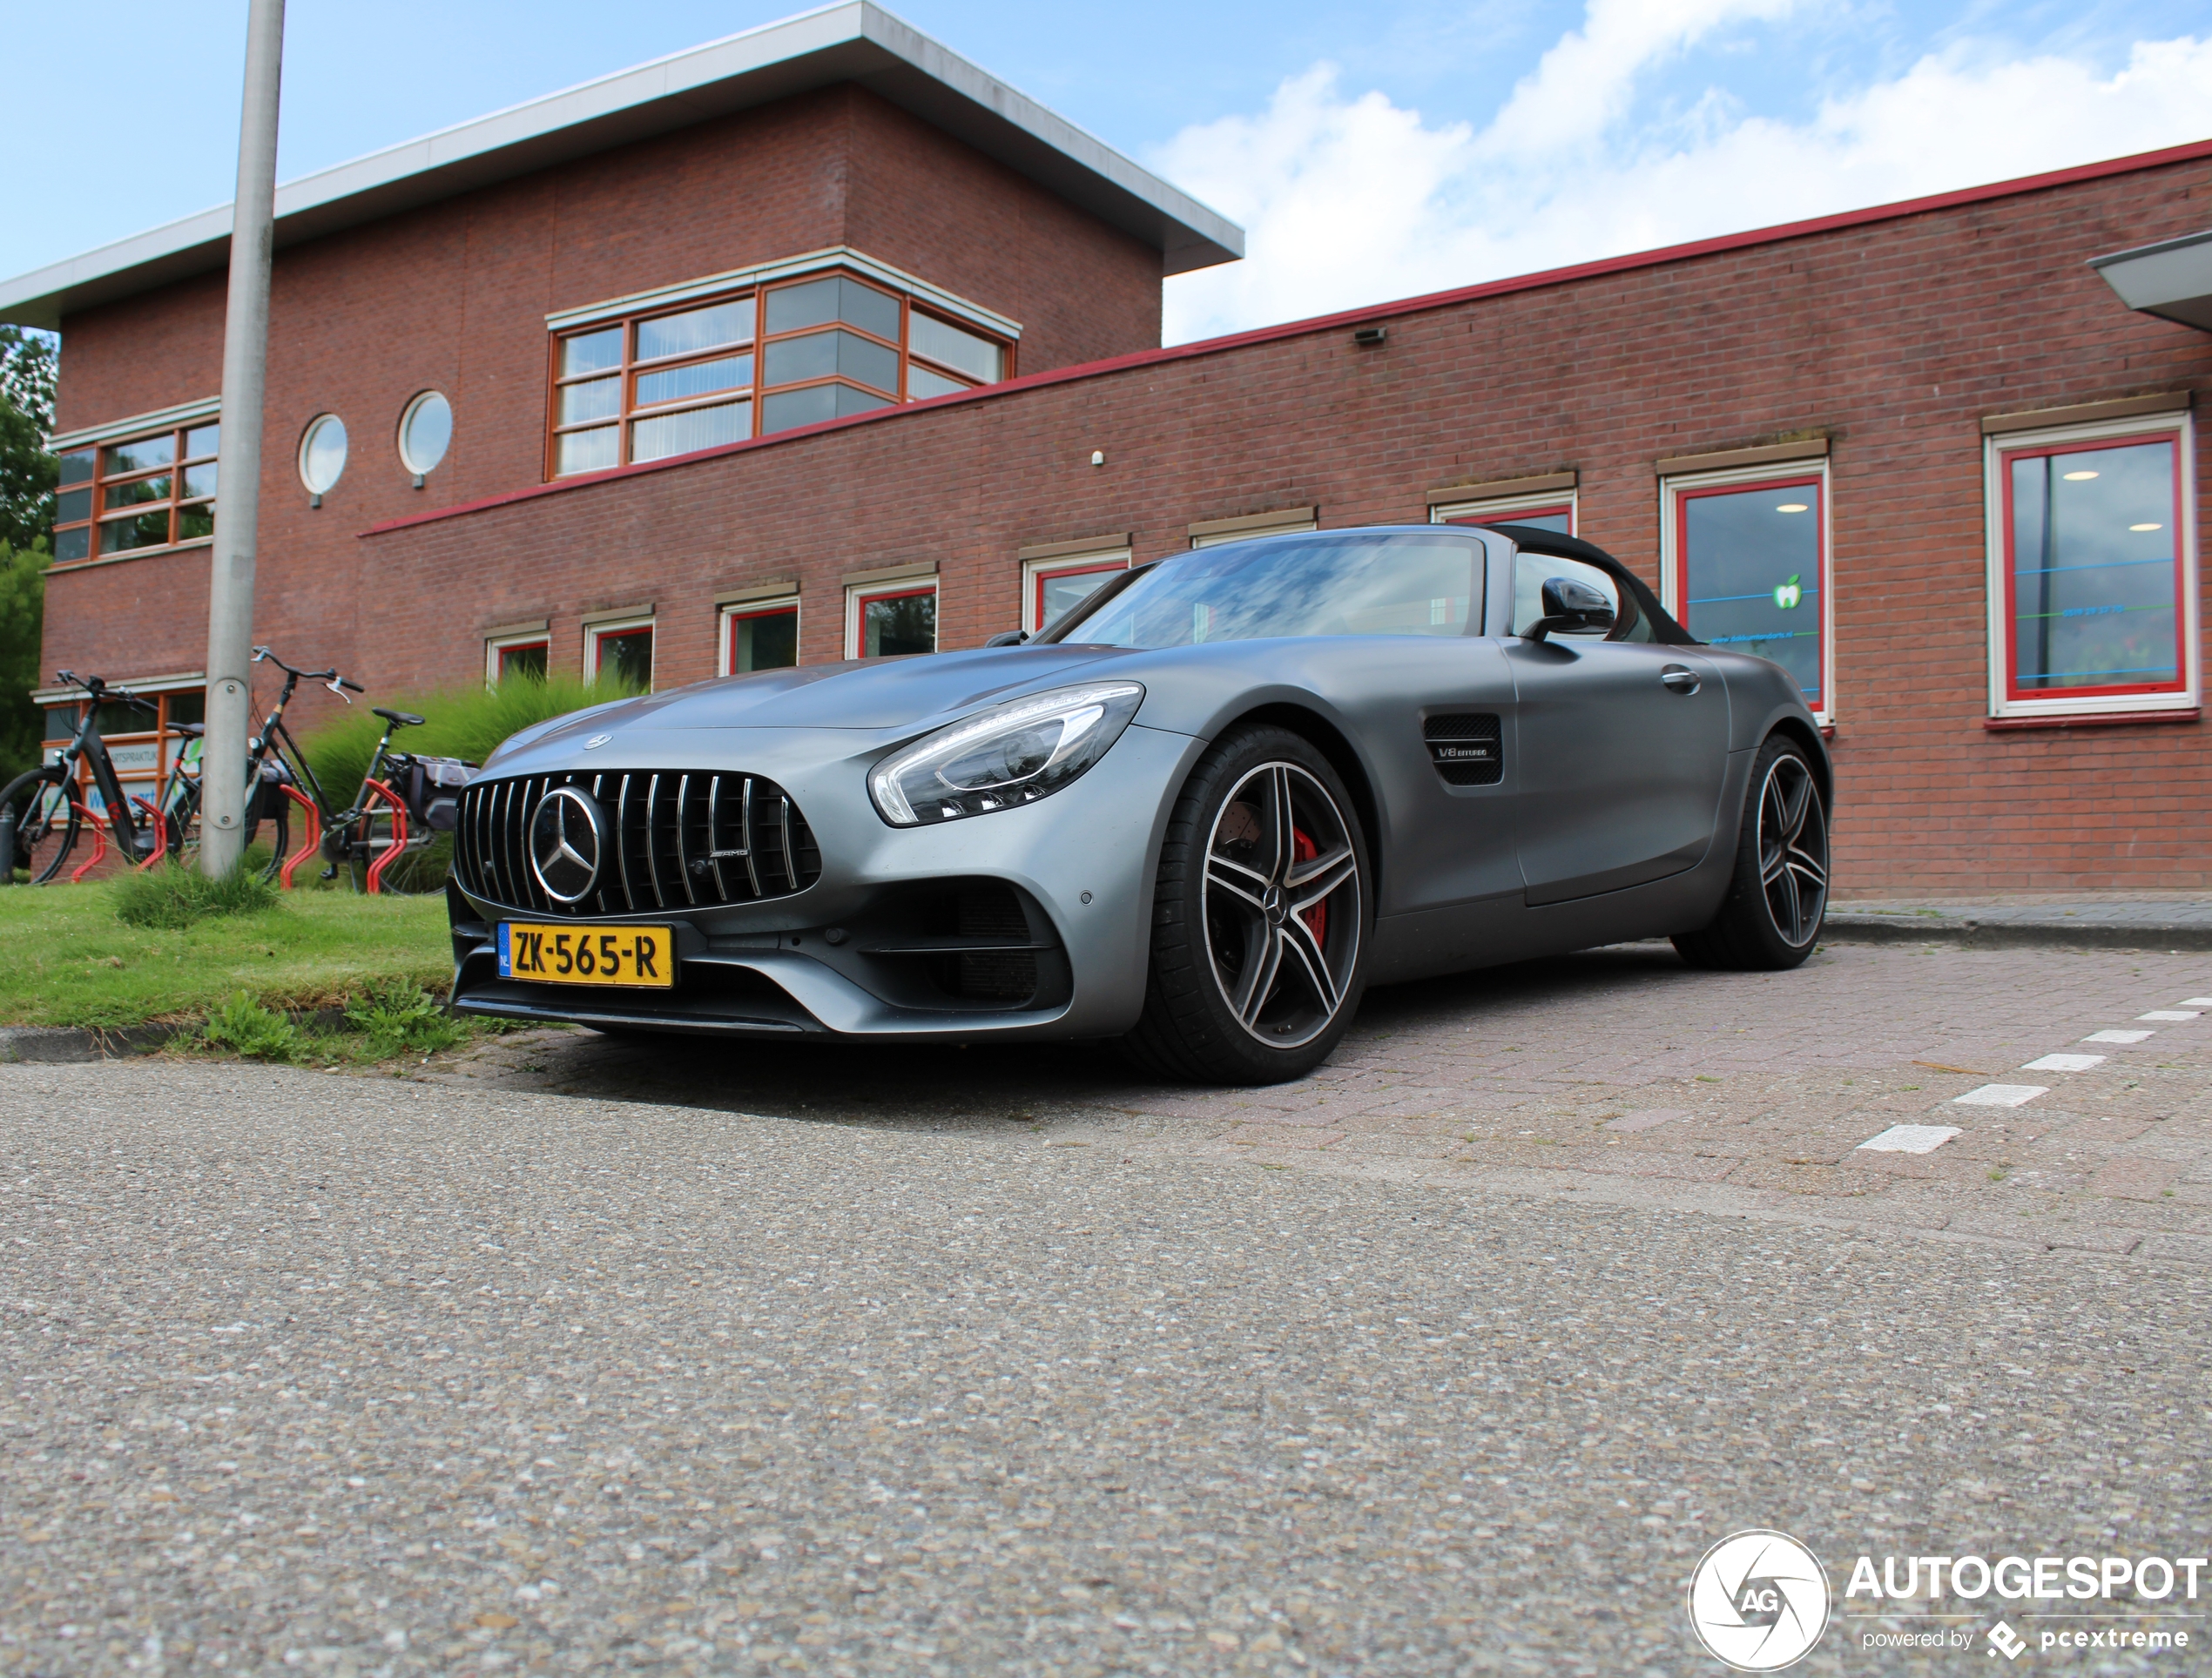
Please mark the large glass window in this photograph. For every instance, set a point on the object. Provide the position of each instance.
(1325, 585)
(2095, 579)
(622, 653)
(760, 635)
(763, 360)
(900, 617)
(1748, 570)
(149, 492)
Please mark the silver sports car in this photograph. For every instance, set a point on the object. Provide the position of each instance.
(1199, 814)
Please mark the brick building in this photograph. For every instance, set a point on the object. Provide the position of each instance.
(819, 343)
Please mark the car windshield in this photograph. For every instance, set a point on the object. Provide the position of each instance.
(1371, 584)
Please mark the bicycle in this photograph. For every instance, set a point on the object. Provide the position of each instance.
(43, 817)
(386, 842)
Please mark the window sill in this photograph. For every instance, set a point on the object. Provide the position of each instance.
(136, 553)
(2093, 719)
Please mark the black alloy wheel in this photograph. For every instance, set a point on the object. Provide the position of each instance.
(46, 826)
(1777, 901)
(1260, 917)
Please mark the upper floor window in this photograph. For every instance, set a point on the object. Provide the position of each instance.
(149, 492)
(2092, 580)
(650, 385)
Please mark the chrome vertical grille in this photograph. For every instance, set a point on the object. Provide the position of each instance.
(678, 838)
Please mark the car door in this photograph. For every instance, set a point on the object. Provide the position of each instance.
(1622, 747)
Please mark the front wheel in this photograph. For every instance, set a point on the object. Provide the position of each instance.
(1260, 917)
(41, 821)
(1778, 899)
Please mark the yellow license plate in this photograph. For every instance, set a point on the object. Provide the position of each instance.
(587, 956)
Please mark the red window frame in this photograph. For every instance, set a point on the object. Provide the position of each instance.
(1039, 573)
(856, 619)
(501, 648)
(1520, 514)
(732, 615)
(1817, 482)
(2014, 694)
(599, 638)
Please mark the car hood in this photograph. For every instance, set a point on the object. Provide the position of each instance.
(869, 694)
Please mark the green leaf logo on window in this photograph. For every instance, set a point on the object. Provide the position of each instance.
(1787, 594)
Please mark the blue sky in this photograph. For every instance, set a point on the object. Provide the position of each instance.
(1373, 151)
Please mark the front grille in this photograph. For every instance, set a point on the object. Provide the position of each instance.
(1465, 749)
(681, 840)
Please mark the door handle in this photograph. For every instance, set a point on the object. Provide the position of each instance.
(1680, 678)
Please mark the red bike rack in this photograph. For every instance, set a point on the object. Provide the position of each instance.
(311, 843)
(398, 846)
(160, 851)
(99, 835)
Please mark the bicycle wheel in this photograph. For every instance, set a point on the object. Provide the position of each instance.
(422, 867)
(268, 822)
(183, 825)
(46, 824)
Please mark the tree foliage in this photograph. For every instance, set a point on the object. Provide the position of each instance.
(27, 470)
(22, 590)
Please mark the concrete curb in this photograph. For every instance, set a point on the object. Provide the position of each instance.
(53, 1044)
(1974, 935)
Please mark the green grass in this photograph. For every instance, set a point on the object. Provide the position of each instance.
(72, 961)
(174, 898)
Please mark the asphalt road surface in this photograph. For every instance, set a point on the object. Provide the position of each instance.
(348, 1374)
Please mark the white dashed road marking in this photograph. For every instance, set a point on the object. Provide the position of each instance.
(1909, 1139)
(2001, 1095)
(2118, 1036)
(2194, 1002)
(2169, 1013)
(2064, 1063)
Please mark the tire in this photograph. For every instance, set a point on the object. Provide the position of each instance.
(1261, 917)
(1777, 901)
(182, 819)
(46, 824)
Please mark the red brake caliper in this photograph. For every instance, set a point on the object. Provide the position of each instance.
(1302, 849)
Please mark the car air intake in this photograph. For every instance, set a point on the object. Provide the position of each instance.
(675, 840)
(1467, 749)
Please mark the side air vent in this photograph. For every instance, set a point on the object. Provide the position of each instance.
(1466, 750)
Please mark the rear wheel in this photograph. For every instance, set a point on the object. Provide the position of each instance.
(1778, 901)
(1259, 917)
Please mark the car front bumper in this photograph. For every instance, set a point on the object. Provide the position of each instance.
(875, 946)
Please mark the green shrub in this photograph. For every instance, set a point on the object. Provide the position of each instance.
(175, 897)
(466, 722)
(244, 1026)
(400, 1016)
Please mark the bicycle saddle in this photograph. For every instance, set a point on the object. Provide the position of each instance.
(399, 718)
(190, 731)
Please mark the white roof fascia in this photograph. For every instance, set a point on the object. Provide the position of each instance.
(834, 256)
(161, 419)
(2171, 280)
(855, 40)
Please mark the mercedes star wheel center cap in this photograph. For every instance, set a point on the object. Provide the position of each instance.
(567, 839)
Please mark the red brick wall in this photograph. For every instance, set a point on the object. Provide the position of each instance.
(1894, 337)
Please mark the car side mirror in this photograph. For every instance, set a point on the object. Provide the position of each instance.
(1010, 638)
(1571, 605)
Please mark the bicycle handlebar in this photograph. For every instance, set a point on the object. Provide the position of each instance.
(100, 691)
(261, 653)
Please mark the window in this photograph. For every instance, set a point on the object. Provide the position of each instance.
(891, 618)
(149, 492)
(2093, 582)
(1051, 586)
(1747, 567)
(521, 655)
(764, 360)
(426, 432)
(620, 650)
(1552, 512)
(322, 454)
(760, 635)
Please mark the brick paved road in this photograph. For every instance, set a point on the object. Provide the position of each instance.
(1613, 1075)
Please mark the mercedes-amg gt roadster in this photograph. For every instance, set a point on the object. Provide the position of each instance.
(1199, 814)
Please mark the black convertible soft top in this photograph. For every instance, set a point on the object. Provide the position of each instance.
(1529, 539)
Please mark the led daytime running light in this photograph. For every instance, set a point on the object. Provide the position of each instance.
(1010, 755)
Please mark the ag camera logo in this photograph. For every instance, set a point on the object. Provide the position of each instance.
(1759, 1600)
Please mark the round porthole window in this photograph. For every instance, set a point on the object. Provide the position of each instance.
(426, 432)
(322, 454)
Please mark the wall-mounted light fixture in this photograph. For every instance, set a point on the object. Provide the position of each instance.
(1371, 337)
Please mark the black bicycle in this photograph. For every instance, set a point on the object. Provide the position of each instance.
(45, 815)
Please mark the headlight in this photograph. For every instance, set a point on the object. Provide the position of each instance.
(1012, 754)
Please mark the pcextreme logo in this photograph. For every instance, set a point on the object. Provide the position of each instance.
(1759, 1600)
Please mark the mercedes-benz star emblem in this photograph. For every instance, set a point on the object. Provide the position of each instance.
(567, 839)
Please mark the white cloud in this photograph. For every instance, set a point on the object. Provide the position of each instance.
(1349, 201)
